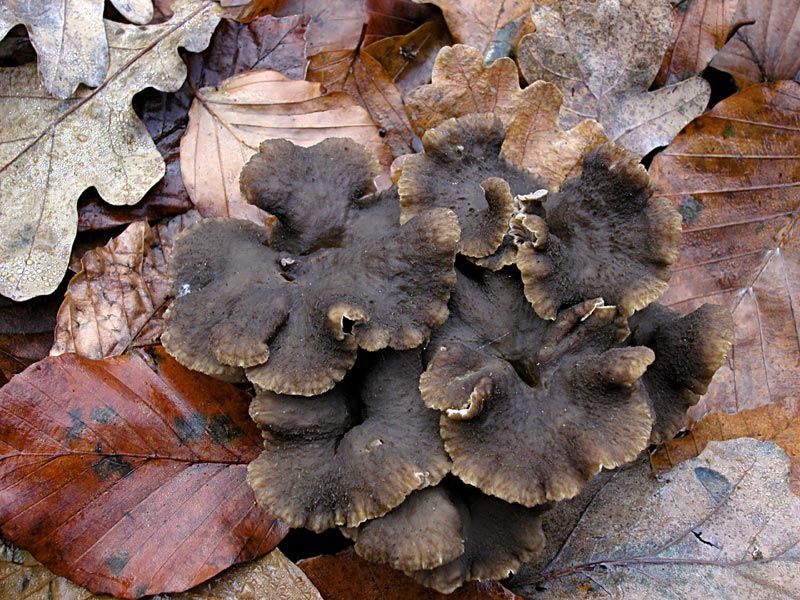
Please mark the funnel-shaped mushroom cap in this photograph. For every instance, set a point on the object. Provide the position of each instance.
(604, 235)
(341, 273)
(689, 349)
(530, 416)
(351, 454)
(461, 169)
(452, 533)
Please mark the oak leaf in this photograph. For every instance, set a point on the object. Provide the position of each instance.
(51, 150)
(723, 525)
(118, 298)
(227, 124)
(604, 56)
(128, 476)
(69, 37)
(765, 50)
(734, 175)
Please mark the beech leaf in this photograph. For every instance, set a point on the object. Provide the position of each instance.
(723, 525)
(227, 124)
(128, 476)
(51, 150)
(604, 56)
(734, 175)
(118, 298)
(69, 37)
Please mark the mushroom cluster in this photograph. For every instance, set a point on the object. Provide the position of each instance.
(437, 363)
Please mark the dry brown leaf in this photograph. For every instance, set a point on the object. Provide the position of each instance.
(492, 27)
(462, 84)
(70, 37)
(51, 151)
(723, 525)
(536, 141)
(118, 298)
(226, 125)
(767, 50)
(779, 423)
(23, 578)
(364, 78)
(409, 59)
(603, 56)
(734, 174)
(701, 29)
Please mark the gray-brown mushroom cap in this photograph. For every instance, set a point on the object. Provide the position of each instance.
(688, 349)
(340, 273)
(461, 533)
(351, 454)
(531, 417)
(603, 235)
(461, 169)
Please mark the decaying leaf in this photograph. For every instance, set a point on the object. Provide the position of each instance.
(359, 74)
(22, 577)
(150, 456)
(734, 174)
(604, 56)
(462, 84)
(118, 298)
(536, 141)
(346, 576)
(723, 525)
(69, 37)
(701, 29)
(51, 150)
(491, 27)
(226, 125)
(766, 50)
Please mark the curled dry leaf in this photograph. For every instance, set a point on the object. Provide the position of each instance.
(70, 37)
(765, 50)
(150, 455)
(461, 85)
(603, 56)
(701, 29)
(723, 525)
(118, 298)
(227, 124)
(345, 576)
(53, 150)
(779, 423)
(734, 175)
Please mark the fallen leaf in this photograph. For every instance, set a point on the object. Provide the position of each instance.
(364, 78)
(408, 59)
(491, 27)
(51, 151)
(226, 125)
(118, 298)
(462, 84)
(734, 175)
(603, 56)
(346, 576)
(779, 423)
(127, 476)
(723, 525)
(69, 37)
(767, 49)
(701, 29)
(24, 578)
(536, 141)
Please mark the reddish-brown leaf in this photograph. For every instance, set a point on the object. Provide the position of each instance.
(127, 475)
(365, 79)
(346, 576)
(734, 174)
(779, 423)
